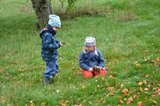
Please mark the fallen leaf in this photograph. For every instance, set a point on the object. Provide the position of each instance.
(98, 86)
(156, 61)
(110, 94)
(139, 103)
(111, 76)
(115, 83)
(78, 105)
(99, 100)
(129, 100)
(120, 101)
(146, 89)
(157, 58)
(63, 103)
(119, 97)
(144, 82)
(90, 102)
(138, 65)
(146, 75)
(145, 51)
(111, 89)
(125, 92)
(140, 83)
(154, 101)
(141, 89)
(136, 95)
(122, 85)
(157, 92)
(31, 103)
(148, 85)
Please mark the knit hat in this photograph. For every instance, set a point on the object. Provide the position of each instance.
(90, 41)
(54, 20)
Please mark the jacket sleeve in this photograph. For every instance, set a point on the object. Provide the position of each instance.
(101, 59)
(48, 43)
(82, 63)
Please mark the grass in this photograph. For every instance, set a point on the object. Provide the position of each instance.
(127, 34)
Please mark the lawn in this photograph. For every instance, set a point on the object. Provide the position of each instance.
(127, 32)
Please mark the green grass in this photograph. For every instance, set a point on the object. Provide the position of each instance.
(128, 34)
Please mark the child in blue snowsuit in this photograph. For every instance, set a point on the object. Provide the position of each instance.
(50, 45)
(91, 59)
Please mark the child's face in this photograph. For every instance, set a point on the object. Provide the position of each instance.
(90, 48)
(56, 28)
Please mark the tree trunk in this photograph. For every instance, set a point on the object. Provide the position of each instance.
(42, 9)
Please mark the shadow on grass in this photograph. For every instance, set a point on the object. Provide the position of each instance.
(85, 12)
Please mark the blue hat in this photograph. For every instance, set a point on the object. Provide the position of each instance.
(54, 20)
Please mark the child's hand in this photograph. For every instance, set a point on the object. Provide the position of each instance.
(104, 68)
(97, 68)
(90, 69)
(62, 43)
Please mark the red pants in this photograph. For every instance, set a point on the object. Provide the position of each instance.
(89, 74)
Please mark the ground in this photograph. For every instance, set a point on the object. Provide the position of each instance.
(127, 32)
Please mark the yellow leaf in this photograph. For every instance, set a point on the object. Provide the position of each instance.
(63, 103)
(103, 78)
(144, 82)
(154, 101)
(98, 86)
(122, 85)
(139, 103)
(111, 94)
(140, 83)
(121, 102)
(138, 65)
(141, 89)
(146, 89)
(111, 76)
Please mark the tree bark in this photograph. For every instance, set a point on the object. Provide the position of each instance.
(42, 9)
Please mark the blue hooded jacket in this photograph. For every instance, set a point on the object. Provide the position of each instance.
(49, 44)
(91, 59)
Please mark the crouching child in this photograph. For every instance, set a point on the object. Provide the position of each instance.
(91, 60)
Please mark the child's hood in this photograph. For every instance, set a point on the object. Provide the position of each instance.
(43, 31)
(48, 29)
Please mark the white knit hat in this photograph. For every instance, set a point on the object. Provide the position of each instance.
(90, 41)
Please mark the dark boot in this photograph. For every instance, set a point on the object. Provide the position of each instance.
(47, 81)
